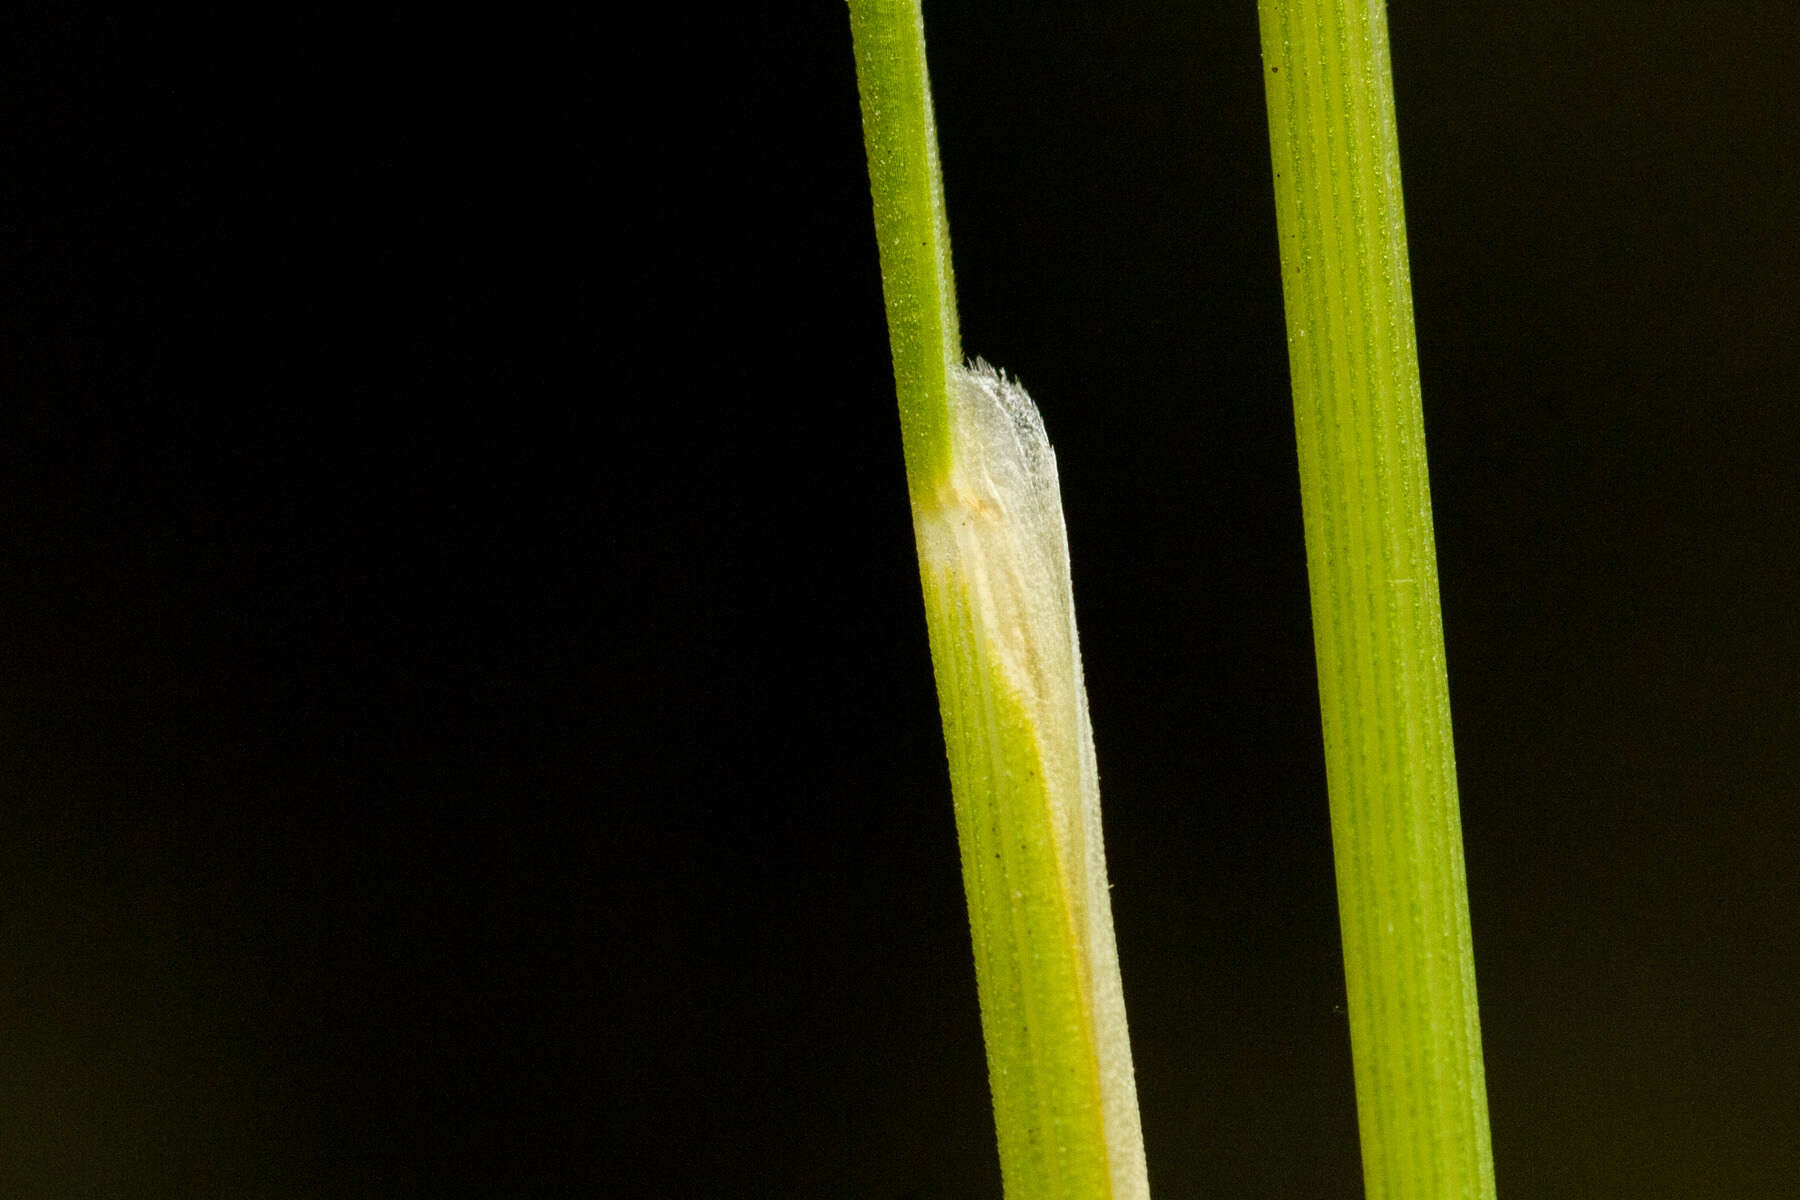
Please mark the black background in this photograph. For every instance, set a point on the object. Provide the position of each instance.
(467, 727)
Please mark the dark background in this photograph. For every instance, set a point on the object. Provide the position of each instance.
(465, 719)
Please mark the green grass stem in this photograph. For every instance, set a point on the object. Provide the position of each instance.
(907, 188)
(1378, 634)
(993, 557)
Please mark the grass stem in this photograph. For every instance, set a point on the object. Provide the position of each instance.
(1378, 634)
(993, 558)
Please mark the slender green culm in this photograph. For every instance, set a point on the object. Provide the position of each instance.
(1378, 634)
(993, 558)
(907, 187)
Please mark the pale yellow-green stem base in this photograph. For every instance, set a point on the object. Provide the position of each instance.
(995, 563)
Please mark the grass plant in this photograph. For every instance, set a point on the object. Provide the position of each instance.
(994, 567)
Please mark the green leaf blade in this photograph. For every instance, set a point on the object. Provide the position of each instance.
(1378, 636)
